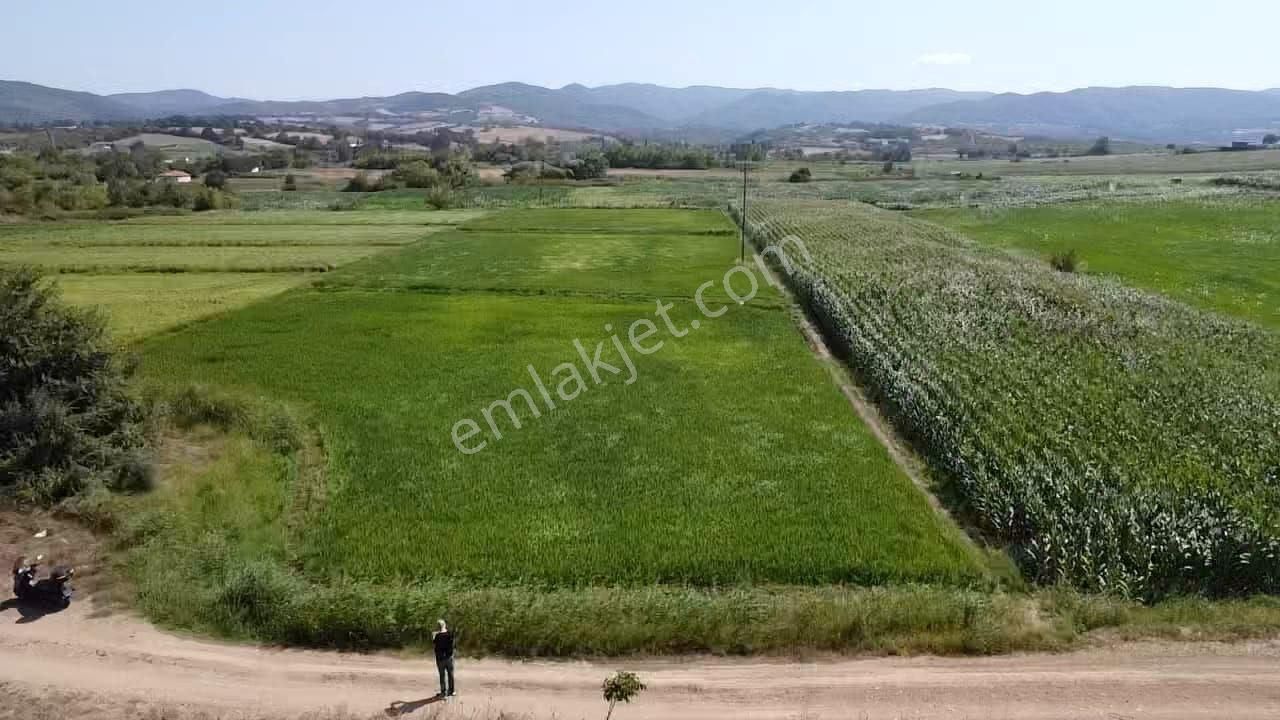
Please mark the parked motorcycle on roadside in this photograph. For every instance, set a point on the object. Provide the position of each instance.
(53, 591)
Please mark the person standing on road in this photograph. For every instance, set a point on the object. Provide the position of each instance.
(442, 639)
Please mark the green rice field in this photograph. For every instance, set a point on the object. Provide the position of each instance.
(408, 413)
(634, 483)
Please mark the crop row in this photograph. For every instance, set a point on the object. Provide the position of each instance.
(1111, 439)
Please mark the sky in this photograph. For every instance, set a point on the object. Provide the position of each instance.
(288, 49)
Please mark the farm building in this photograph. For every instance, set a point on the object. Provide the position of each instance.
(175, 176)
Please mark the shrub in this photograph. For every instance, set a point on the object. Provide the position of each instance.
(530, 171)
(441, 198)
(207, 198)
(290, 183)
(803, 175)
(1066, 261)
(362, 183)
(1101, 146)
(1252, 182)
(66, 420)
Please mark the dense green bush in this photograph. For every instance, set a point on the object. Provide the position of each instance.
(803, 175)
(363, 183)
(1067, 261)
(531, 171)
(442, 198)
(418, 174)
(591, 165)
(66, 419)
(657, 156)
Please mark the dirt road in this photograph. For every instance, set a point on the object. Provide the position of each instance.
(123, 662)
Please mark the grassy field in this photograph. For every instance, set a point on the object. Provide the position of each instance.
(155, 272)
(712, 190)
(138, 305)
(1224, 256)
(419, 216)
(1158, 163)
(1113, 439)
(199, 232)
(637, 483)
(173, 146)
(727, 500)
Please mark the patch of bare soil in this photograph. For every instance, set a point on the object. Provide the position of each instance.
(61, 541)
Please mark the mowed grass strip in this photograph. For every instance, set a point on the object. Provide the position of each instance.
(138, 305)
(153, 273)
(731, 458)
(1224, 256)
(315, 217)
(125, 258)
(22, 237)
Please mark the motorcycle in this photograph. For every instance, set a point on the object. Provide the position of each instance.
(55, 590)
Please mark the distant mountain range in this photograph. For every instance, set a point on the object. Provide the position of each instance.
(1139, 113)
(1148, 113)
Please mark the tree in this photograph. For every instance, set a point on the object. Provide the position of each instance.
(1101, 146)
(215, 179)
(457, 171)
(341, 147)
(621, 687)
(418, 174)
(209, 134)
(1271, 139)
(68, 419)
(590, 165)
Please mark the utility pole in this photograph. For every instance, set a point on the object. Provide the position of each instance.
(743, 254)
(746, 169)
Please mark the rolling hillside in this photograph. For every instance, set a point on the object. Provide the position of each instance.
(22, 102)
(1148, 113)
(171, 102)
(1158, 114)
(772, 108)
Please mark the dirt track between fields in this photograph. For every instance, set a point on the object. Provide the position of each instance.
(124, 664)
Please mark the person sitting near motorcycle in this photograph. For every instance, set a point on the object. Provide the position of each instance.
(54, 590)
(24, 577)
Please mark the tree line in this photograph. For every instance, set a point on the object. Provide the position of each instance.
(52, 182)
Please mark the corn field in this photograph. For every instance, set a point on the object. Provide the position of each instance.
(1113, 440)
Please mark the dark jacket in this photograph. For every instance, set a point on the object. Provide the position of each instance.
(443, 642)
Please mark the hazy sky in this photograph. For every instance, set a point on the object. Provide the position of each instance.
(295, 49)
